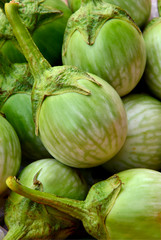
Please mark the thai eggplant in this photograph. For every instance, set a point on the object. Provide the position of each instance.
(46, 20)
(15, 103)
(26, 219)
(10, 152)
(125, 206)
(139, 10)
(102, 39)
(152, 35)
(79, 117)
(142, 147)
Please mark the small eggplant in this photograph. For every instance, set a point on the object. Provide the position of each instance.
(152, 36)
(142, 147)
(125, 206)
(10, 152)
(26, 219)
(139, 10)
(79, 117)
(102, 39)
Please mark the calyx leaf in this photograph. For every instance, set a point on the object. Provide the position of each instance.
(56, 81)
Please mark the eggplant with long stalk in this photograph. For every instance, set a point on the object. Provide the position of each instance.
(79, 117)
(125, 206)
(46, 21)
(26, 219)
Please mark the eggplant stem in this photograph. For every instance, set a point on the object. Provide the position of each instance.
(15, 233)
(38, 64)
(74, 208)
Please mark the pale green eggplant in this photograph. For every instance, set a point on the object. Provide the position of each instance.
(10, 152)
(29, 220)
(125, 206)
(79, 117)
(102, 39)
(142, 147)
(152, 75)
(139, 10)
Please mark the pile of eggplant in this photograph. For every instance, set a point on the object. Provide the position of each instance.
(80, 119)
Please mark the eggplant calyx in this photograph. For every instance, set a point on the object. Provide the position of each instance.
(99, 202)
(56, 81)
(16, 78)
(27, 219)
(35, 13)
(90, 18)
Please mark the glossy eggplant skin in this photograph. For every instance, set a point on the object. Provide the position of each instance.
(28, 220)
(47, 34)
(113, 49)
(18, 112)
(10, 152)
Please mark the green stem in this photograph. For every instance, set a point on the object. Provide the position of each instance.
(74, 208)
(38, 64)
(15, 233)
(159, 7)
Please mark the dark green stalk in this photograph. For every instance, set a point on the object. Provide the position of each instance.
(47, 80)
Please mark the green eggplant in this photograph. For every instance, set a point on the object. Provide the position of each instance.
(46, 20)
(15, 103)
(79, 117)
(125, 206)
(139, 10)
(152, 35)
(102, 39)
(10, 152)
(142, 147)
(26, 219)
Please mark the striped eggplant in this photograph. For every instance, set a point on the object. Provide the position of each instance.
(46, 20)
(139, 10)
(15, 103)
(79, 117)
(125, 206)
(10, 152)
(152, 75)
(102, 39)
(28, 220)
(142, 147)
